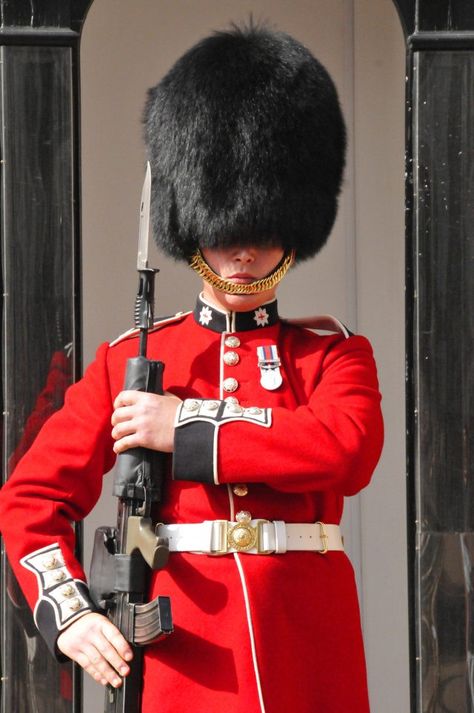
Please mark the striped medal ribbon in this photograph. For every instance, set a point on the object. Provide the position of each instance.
(269, 364)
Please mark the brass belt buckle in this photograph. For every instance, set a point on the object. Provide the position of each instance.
(324, 538)
(242, 536)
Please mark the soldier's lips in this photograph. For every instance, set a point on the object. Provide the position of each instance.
(242, 278)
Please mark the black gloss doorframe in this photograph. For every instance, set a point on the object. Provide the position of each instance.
(40, 254)
(443, 374)
(439, 344)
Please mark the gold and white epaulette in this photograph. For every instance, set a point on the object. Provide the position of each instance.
(159, 324)
(324, 322)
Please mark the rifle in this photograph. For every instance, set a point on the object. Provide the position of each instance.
(123, 556)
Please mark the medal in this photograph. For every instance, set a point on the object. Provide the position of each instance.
(269, 364)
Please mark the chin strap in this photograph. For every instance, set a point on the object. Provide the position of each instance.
(200, 266)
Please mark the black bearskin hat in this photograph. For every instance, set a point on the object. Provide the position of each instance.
(246, 142)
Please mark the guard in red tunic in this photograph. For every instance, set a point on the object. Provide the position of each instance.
(269, 423)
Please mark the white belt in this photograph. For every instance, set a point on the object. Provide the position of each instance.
(220, 537)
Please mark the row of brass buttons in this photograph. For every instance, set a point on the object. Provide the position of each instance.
(231, 359)
(230, 385)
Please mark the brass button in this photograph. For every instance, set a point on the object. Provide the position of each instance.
(232, 342)
(230, 385)
(231, 358)
(75, 604)
(235, 408)
(212, 405)
(68, 590)
(59, 576)
(241, 490)
(243, 516)
(50, 562)
(231, 400)
(191, 405)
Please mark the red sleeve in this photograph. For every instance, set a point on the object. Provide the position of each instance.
(332, 442)
(50, 399)
(56, 483)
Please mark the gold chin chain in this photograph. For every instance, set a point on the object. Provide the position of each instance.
(200, 266)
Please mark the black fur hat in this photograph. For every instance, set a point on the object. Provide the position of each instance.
(246, 142)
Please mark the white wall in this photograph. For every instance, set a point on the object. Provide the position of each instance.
(359, 275)
(379, 80)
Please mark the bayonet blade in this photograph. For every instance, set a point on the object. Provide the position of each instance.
(144, 228)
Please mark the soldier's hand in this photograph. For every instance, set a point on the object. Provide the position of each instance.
(98, 646)
(144, 419)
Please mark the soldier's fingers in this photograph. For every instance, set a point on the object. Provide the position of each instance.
(123, 413)
(97, 676)
(127, 398)
(117, 639)
(86, 665)
(97, 664)
(111, 655)
(89, 668)
(123, 444)
(123, 429)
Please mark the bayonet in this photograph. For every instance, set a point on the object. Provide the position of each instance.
(144, 227)
(144, 304)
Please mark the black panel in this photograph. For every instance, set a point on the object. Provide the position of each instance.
(38, 244)
(445, 258)
(446, 622)
(442, 40)
(15, 12)
(40, 217)
(44, 13)
(446, 15)
(435, 15)
(443, 347)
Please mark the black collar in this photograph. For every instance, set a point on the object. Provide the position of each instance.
(218, 320)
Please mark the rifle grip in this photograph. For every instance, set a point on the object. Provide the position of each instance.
(144, 374)
(138, 468)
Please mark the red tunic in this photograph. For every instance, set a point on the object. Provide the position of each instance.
(273, 633)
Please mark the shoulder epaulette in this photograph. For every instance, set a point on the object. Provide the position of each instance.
(163, 322)
(325, 322)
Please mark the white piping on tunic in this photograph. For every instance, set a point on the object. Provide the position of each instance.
(231, 503)
(221, 366)
(214, 457)
(221, 396)
(236, 556)
(252, 638)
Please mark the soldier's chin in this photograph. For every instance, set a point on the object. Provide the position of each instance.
(239, 302)
(239, 281)
(241, 295)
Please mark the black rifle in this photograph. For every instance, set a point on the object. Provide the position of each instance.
(124, 556)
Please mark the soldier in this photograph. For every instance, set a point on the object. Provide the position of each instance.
(269, 423)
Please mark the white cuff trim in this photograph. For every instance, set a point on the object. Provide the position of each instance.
(56, 584)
